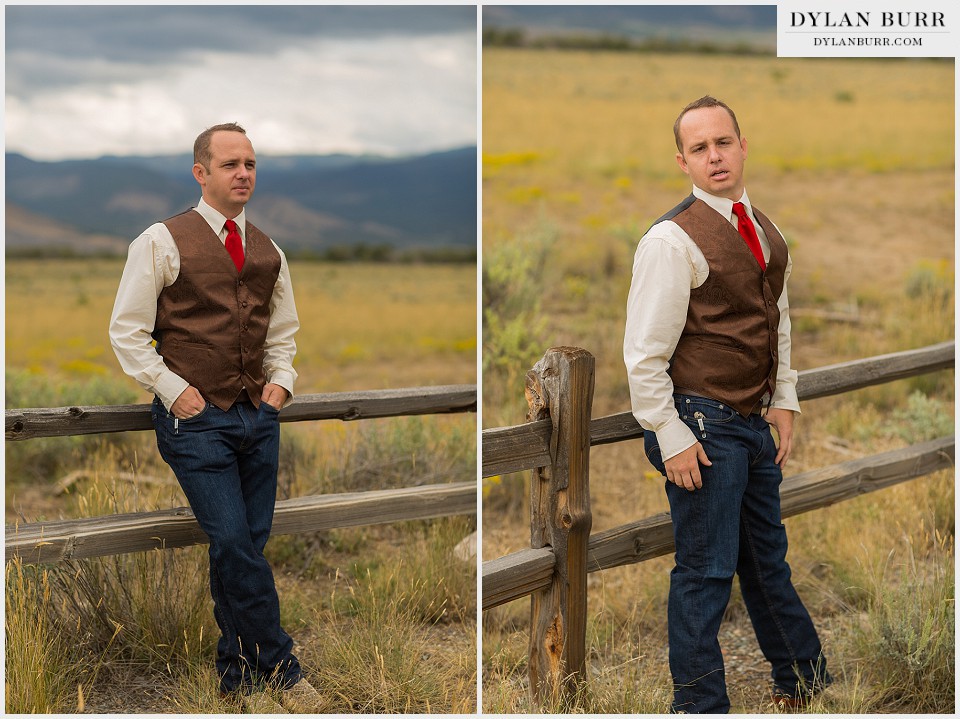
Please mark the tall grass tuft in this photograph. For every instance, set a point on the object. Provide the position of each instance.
(145, 608)
(436, 587)
(43, 667)
(152, 607)
(385, 648)
(67, 622)
(908, 633)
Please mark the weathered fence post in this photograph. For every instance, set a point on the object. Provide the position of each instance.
(560, 387)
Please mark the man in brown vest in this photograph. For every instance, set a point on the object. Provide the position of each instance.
(214, 292)
(707, 351)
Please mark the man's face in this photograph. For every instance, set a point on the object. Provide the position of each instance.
(713, 155)
(228, 183)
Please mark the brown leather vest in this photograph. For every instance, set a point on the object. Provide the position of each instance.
(728, 350)
(212, 321)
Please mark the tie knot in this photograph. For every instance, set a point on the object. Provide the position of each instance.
(739, 210)
(230, 225)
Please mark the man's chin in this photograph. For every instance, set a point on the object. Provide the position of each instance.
(727, 188)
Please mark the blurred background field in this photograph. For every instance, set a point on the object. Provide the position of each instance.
(135, 633)
(363, 325)
(854, 160)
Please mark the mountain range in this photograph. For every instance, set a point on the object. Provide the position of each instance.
(305, 203)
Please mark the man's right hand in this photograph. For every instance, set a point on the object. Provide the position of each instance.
(188, 404)
(684, 469)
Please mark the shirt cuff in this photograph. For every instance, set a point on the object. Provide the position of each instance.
(169, 387)
(284, 379)
(674, 437)
(786, 397)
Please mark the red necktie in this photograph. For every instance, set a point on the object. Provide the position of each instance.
(749, 233)
(234, 243)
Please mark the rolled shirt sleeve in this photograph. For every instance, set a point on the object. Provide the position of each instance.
(664, 272)
(785, 394)
(152, 264)
(280, 346)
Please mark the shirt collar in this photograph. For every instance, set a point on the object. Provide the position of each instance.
(721, 204)
(216, 220)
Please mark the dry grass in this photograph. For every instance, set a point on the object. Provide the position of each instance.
(578, 149)
(582, 131)
(362, 326)
(93, 634)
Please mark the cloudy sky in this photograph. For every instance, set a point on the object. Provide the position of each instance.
(92, 80)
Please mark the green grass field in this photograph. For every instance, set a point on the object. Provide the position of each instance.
(854, 162)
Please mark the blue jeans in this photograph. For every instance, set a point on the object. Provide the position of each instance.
(732, 525)
(226, 463)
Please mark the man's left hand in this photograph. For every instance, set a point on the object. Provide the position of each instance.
(274, 395)
(782, 421)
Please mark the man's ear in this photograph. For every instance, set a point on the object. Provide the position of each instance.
(682, 163)
(200, 174)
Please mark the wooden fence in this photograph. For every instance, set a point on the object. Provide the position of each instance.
(117, 534)
(555, 444)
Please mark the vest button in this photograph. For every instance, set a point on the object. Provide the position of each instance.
(243, 304)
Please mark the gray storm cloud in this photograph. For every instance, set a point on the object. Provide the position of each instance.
(86, 81)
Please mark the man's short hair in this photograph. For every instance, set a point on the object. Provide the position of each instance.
(705, 101)
(201, 147)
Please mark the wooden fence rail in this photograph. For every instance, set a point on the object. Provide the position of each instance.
(24, 424)
(55, 541)
(43, 542)
(520, 573)
(527, 446)
(552, 446)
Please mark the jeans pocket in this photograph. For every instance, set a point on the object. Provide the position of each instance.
(700, 408)
(703, 415)
(195, 417)
(270, 412)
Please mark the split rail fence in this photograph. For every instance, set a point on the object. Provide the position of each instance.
(555, 443)
(54, 541)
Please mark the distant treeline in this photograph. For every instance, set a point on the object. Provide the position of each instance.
(516, 37)
(386, 253)
(339, 253)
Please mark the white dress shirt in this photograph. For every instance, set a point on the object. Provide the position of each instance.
(667, 265)
(153, 262)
